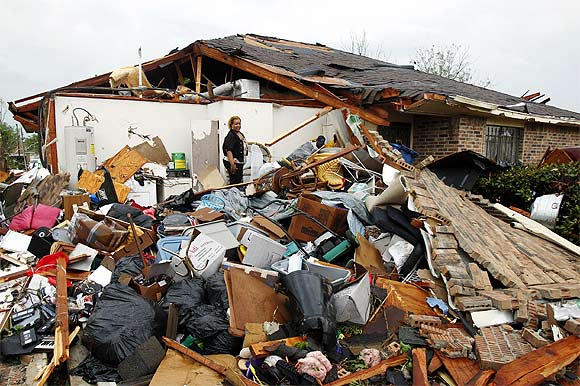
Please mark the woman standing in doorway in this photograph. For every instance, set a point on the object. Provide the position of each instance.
(234, 149)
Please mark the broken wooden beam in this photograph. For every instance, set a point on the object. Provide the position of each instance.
(62, 305)
(533, 368)
(261, 350)
(420, 367)
(287, 81)
(313, 118)
(235, 378)
(370, 372)
(481, 378)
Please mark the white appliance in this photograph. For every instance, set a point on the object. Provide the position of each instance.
(145, 195)
(79, 145)
(173, 186)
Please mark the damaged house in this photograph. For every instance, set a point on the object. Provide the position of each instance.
(281, 82)
(342, 263)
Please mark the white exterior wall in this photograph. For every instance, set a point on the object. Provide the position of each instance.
(173, 122)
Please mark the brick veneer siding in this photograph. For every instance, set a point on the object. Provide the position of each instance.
(441, 136)
(436, 136)
(472, 134)
(538, 136)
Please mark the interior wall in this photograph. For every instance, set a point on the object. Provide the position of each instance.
(174, 122)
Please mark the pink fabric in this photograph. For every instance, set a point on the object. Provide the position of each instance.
(22, 221)
(44, 216)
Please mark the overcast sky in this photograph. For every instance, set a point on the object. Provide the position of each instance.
(519, 44)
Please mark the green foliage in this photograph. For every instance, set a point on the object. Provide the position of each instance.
(8, 138)
(31, 144)
(354, 365)
(301, 345)
(520, 185)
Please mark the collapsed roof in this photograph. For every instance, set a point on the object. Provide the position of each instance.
(333, 77)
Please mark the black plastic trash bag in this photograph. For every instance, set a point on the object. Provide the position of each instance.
(217, 293)
(186, 294)
(310, 295)
(122, 320)
(93, 370)
(392, 220)
(131, 265)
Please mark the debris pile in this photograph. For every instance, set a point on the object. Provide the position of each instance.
(338, 265)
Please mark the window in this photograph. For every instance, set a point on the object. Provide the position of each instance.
(502, 144)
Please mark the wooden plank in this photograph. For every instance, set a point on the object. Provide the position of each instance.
(370, 372)
(313, 118)
(62, 305)
(235, 378)
(482, 378)
(179, 73)
(460, 369)
(90, 182)
(244, 293)
(260, 350)
(195, 356)
(52, 136)
(420, 367)
(533, 368)
(199, 61)
(124, 164)
(289, 83)
(434, 365)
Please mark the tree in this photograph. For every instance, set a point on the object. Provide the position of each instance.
(360, 45)
(31, 144)
(8, 144)
(451, 62)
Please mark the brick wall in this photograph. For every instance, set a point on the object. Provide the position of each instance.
(538, 136)
(436, 136)
(441, 136)
(471, 133)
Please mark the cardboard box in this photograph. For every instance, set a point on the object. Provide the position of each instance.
(261, 251)
(153, 292)
(207, 215)
(303, 228)
(205, 254)
(353, 303)
(148, 238)
(273, 230)
(68, 200)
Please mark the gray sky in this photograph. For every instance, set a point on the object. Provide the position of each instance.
(519, 44)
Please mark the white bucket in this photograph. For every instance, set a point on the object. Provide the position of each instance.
(545, 209)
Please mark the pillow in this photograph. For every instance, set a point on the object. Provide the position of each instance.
(22, 221)
(44, 216)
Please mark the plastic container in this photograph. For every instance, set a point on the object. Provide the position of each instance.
(545, 209)
(172, 243)
(179, 161)
(336, 276)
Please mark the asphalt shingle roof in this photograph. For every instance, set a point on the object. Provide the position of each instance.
(364, 74)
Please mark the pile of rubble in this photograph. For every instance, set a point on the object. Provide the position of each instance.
(337, 266)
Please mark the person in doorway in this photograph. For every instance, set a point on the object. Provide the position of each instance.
(235, 148)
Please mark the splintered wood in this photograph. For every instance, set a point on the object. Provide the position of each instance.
(512, 256)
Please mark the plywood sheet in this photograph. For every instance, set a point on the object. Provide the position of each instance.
(156, 153)
(252, 301)
(462, 370)
(124, 164)
(90, 182)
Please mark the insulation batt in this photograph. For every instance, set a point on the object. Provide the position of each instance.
(315, 364)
